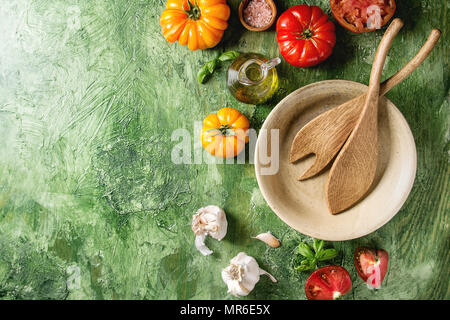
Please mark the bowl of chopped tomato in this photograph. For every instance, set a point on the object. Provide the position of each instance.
(362, 15)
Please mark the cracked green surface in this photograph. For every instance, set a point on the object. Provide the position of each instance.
(90, 93)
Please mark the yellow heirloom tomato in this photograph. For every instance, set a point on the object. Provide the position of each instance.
(198, 23)
(225, 134)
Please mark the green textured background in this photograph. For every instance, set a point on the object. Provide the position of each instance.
(90, 93)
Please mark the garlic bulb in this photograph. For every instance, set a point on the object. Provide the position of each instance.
(208, 221)
(243, 274)
(268, 239)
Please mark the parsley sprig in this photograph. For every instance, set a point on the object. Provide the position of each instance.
(314, 254)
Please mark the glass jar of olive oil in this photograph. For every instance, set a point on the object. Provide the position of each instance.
(252, 78)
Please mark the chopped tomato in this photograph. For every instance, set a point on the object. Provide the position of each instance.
(362, 15)
(328, 283)
(371, 265)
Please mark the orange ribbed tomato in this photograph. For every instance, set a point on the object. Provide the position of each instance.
(225, 134)
(198, 23)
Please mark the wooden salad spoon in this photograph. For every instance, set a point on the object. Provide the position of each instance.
(325, 134)
(354, 169)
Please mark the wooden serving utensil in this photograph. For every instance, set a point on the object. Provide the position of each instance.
(325, 134)
(354, 169)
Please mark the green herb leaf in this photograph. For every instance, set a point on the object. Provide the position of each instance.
(306, 265)
(302, 268)
(229, 55)
(208, 69)
(203, 74)
(327, 254)
(312, 258)
(211, 65)
(318, 245)
(305, 250)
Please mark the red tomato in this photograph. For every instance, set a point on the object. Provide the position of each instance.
(362, 15)
(328, 283)
(305, 35)
(371, 265)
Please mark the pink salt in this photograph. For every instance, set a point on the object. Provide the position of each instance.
(257, 14)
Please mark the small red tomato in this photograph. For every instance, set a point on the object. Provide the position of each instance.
(305, 35)
(362, 15)
(328, 283)
(371, 265)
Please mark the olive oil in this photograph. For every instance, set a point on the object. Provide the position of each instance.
(252, 78)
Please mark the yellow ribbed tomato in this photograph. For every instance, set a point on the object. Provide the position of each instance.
(198, 23)
(225, 134)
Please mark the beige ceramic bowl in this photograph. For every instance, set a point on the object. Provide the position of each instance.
(301, 204)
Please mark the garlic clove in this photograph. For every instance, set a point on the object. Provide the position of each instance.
(208, 221)
(201, 246)
(268, 239)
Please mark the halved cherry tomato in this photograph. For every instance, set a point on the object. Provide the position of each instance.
(305, 35)
(225, 134)
(371, 265)
(328, 283)
(362, 15)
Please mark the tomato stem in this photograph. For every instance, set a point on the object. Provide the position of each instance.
(193, 11)
(306, 34)
(227, 130)
(224, 130)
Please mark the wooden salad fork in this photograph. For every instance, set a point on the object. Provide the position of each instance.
(325, 134)
(354, 169)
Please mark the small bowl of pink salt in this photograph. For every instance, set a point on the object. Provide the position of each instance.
(257, 15)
